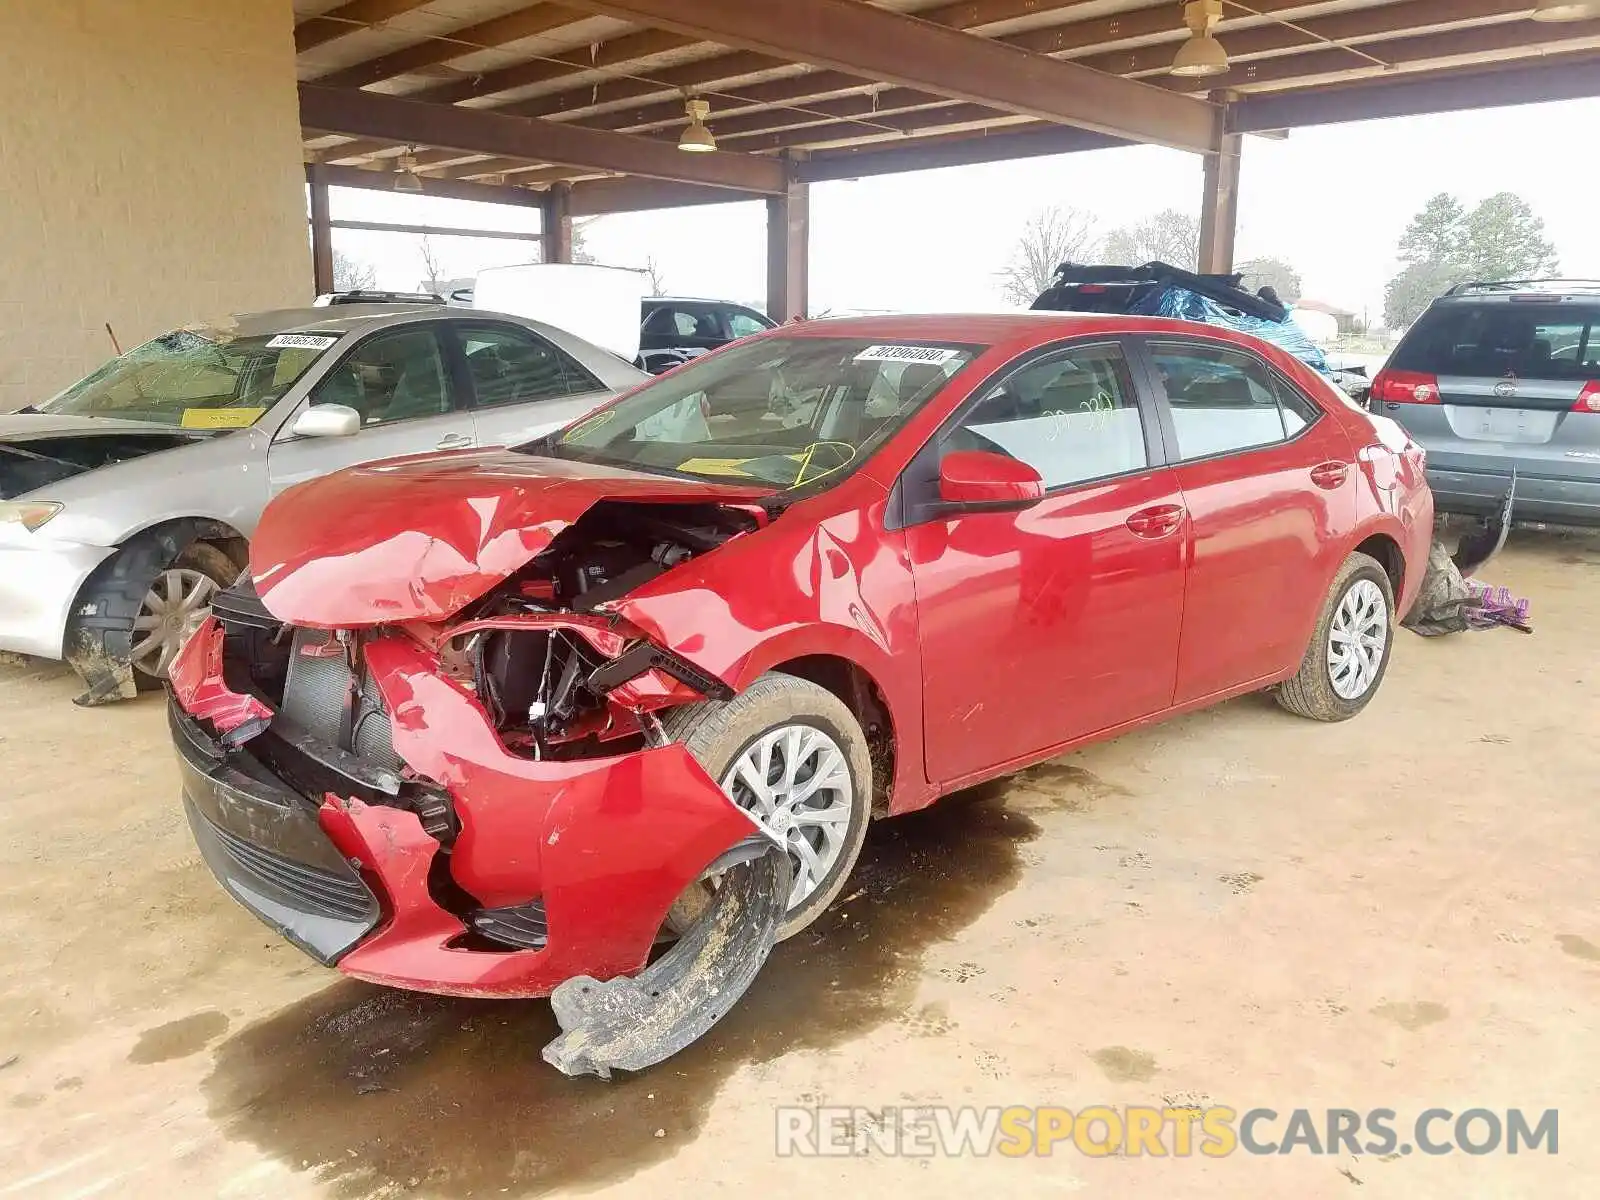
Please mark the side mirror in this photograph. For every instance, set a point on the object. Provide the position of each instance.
(989, 480)
(327, 420)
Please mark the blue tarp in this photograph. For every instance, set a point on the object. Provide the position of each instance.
(1184, 305)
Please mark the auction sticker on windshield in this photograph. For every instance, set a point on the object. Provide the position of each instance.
(935, 356)
(220, 418)
(302, 341)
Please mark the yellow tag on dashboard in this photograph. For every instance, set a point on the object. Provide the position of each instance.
(220, 418)
(731, 467)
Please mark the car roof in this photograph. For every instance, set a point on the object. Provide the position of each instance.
(1001, 328)
(340, 318)
(1555, 291)
(695, 300)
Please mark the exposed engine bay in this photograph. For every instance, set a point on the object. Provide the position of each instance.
(559, 676)
(553, 688)
(32, 463)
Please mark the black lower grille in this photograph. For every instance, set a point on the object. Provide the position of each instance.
(317, 891)
(523, 927)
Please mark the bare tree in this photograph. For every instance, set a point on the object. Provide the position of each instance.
(352, 274)
(1169, 236)
(432, 264)
(658, 281)
(1050, 238)
(1275, 273)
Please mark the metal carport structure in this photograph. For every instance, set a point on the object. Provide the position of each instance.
(577, 106)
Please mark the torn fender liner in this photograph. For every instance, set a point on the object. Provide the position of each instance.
(629, 1024)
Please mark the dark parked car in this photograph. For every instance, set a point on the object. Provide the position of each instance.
(676, 330)
(1503, 378)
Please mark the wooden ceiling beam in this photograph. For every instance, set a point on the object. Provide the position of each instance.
(879, 44)
(1552, 77)
(513, 26)
(478, 131)
(1397, 52)
(347, 19)
(616, 52)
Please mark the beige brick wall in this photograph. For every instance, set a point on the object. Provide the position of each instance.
(150, 175)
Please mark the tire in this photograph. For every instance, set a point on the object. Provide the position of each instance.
(101, 639)
(1318, 691)
(718, 735)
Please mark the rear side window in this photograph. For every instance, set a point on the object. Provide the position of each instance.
(1529, 341)
(1223, 401)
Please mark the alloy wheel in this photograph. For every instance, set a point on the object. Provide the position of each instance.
(176, 605)
(1358, 639)
(795, 781)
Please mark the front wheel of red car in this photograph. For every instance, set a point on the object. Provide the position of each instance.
(1349, 652)
(792, 755)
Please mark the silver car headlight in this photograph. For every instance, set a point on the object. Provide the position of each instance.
(30, 514)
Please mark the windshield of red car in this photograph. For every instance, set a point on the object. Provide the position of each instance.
(788, 411)
(195, 379)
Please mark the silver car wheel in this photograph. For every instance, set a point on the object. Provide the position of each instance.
(1357, 640)
(174, 607)
(795, 781)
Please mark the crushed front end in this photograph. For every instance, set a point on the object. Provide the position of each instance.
(482, 805)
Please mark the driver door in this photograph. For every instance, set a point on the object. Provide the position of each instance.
(401, 383)
(1044, 626)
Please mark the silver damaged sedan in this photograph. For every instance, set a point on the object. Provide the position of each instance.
(128, 500)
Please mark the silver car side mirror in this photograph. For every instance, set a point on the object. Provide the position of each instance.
(327, 420)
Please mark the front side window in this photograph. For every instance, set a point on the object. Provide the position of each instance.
(1073, 417)
(1223, 401)
(784, 411)
(390, 377)
(514, 366)
(195, 379)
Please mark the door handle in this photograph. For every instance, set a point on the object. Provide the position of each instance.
(1330, 476)
(1159, 521)
(453, 441)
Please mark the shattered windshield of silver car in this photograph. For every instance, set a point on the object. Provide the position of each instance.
(197, 378)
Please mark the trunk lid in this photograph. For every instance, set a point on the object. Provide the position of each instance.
(418, 539)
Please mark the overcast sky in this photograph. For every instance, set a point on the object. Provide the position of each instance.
(1331, 201)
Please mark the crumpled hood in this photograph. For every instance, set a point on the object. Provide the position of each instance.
(419, 538)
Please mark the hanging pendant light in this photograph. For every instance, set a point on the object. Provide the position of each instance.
(1202, 55)
(697, 138)
(406, 178)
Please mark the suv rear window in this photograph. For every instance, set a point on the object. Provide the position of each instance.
(1529, 341)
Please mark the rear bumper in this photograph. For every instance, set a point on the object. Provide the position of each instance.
(596, 849)
(1553, 501)
(38, 583)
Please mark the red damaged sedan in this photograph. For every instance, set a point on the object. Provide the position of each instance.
(487, 722)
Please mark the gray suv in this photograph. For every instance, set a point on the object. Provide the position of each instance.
(1503, 379)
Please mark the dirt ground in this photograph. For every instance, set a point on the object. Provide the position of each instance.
(1238, 908)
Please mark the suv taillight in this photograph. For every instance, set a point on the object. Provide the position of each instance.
(1405, 387)
(1588, 399)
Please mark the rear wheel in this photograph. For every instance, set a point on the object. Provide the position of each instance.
(792, 755)
(1349, 652)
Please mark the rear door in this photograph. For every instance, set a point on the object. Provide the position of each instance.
(402, 383)
(1269, 482)
(1500, 381)
(521, 385)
